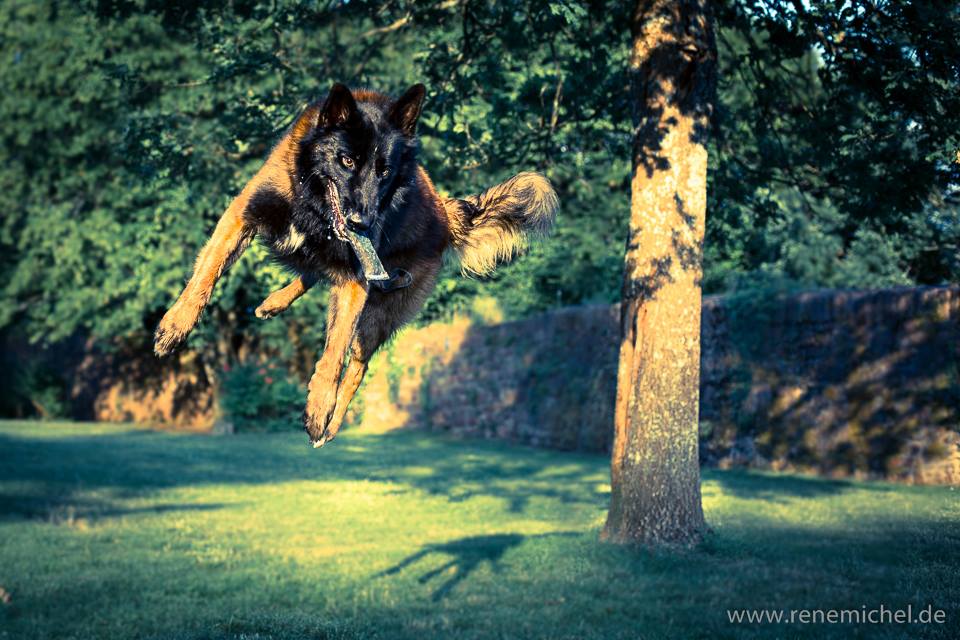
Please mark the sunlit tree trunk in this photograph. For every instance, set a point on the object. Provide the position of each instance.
(655, 470)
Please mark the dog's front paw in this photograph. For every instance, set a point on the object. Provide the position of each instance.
(171, 332)
(266, 310)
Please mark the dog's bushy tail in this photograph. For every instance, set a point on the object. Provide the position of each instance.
(495, 225)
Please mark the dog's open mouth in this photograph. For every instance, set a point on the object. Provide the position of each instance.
(339, 222)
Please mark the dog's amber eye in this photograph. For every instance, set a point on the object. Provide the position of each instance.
(347, 161)
(384, 172)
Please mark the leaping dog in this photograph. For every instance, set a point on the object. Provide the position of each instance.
(342, 197)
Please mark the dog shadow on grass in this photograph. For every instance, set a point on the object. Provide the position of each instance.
(466, 556)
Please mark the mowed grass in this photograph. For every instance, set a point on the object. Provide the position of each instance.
(121, 532)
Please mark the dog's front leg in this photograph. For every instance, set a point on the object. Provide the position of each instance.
(228, 241)
(279, 300)
(346, 305)
(233, 234)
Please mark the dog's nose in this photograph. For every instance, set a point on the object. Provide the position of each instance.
(356, 223)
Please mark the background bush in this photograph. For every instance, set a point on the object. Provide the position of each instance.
(128, 125)
(260, 397)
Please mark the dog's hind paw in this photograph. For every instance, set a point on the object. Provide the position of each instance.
(314, 431)
(317, 428)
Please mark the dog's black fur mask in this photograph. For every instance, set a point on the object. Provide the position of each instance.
(354, 168)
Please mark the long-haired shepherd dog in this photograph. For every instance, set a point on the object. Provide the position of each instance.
(346, 169)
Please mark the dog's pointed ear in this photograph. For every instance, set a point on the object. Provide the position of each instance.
(339, 108)
(405, 112)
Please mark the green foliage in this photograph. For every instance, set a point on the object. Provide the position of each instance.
(40, 387)
(260, 397)
(128, 126)
(835, 156)
(394, 371)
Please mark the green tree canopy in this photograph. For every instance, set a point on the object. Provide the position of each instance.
(128, 125)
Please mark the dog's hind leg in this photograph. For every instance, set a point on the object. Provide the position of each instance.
(279, 300)
(347, 302)
(382, 316)
(352, 378)
(371, 333)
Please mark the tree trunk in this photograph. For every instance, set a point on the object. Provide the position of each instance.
(655, 472)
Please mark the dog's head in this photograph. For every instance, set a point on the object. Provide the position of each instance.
(361, 156)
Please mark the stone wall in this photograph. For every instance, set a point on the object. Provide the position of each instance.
(843, 383)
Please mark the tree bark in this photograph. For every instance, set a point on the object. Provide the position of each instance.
(655, 472)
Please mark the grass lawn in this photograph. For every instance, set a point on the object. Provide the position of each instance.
(116, 532)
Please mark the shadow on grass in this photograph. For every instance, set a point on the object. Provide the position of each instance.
(779, 488)
(466, 555)
(129, 463)
(67, 508)
(133, 462)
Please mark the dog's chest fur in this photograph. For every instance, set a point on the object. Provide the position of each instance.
(300, 234)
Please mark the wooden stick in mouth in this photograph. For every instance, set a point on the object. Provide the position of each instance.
(373, 269)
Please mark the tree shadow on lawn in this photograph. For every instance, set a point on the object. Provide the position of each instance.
(130, 463)
(70, 509)
(779, 488)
